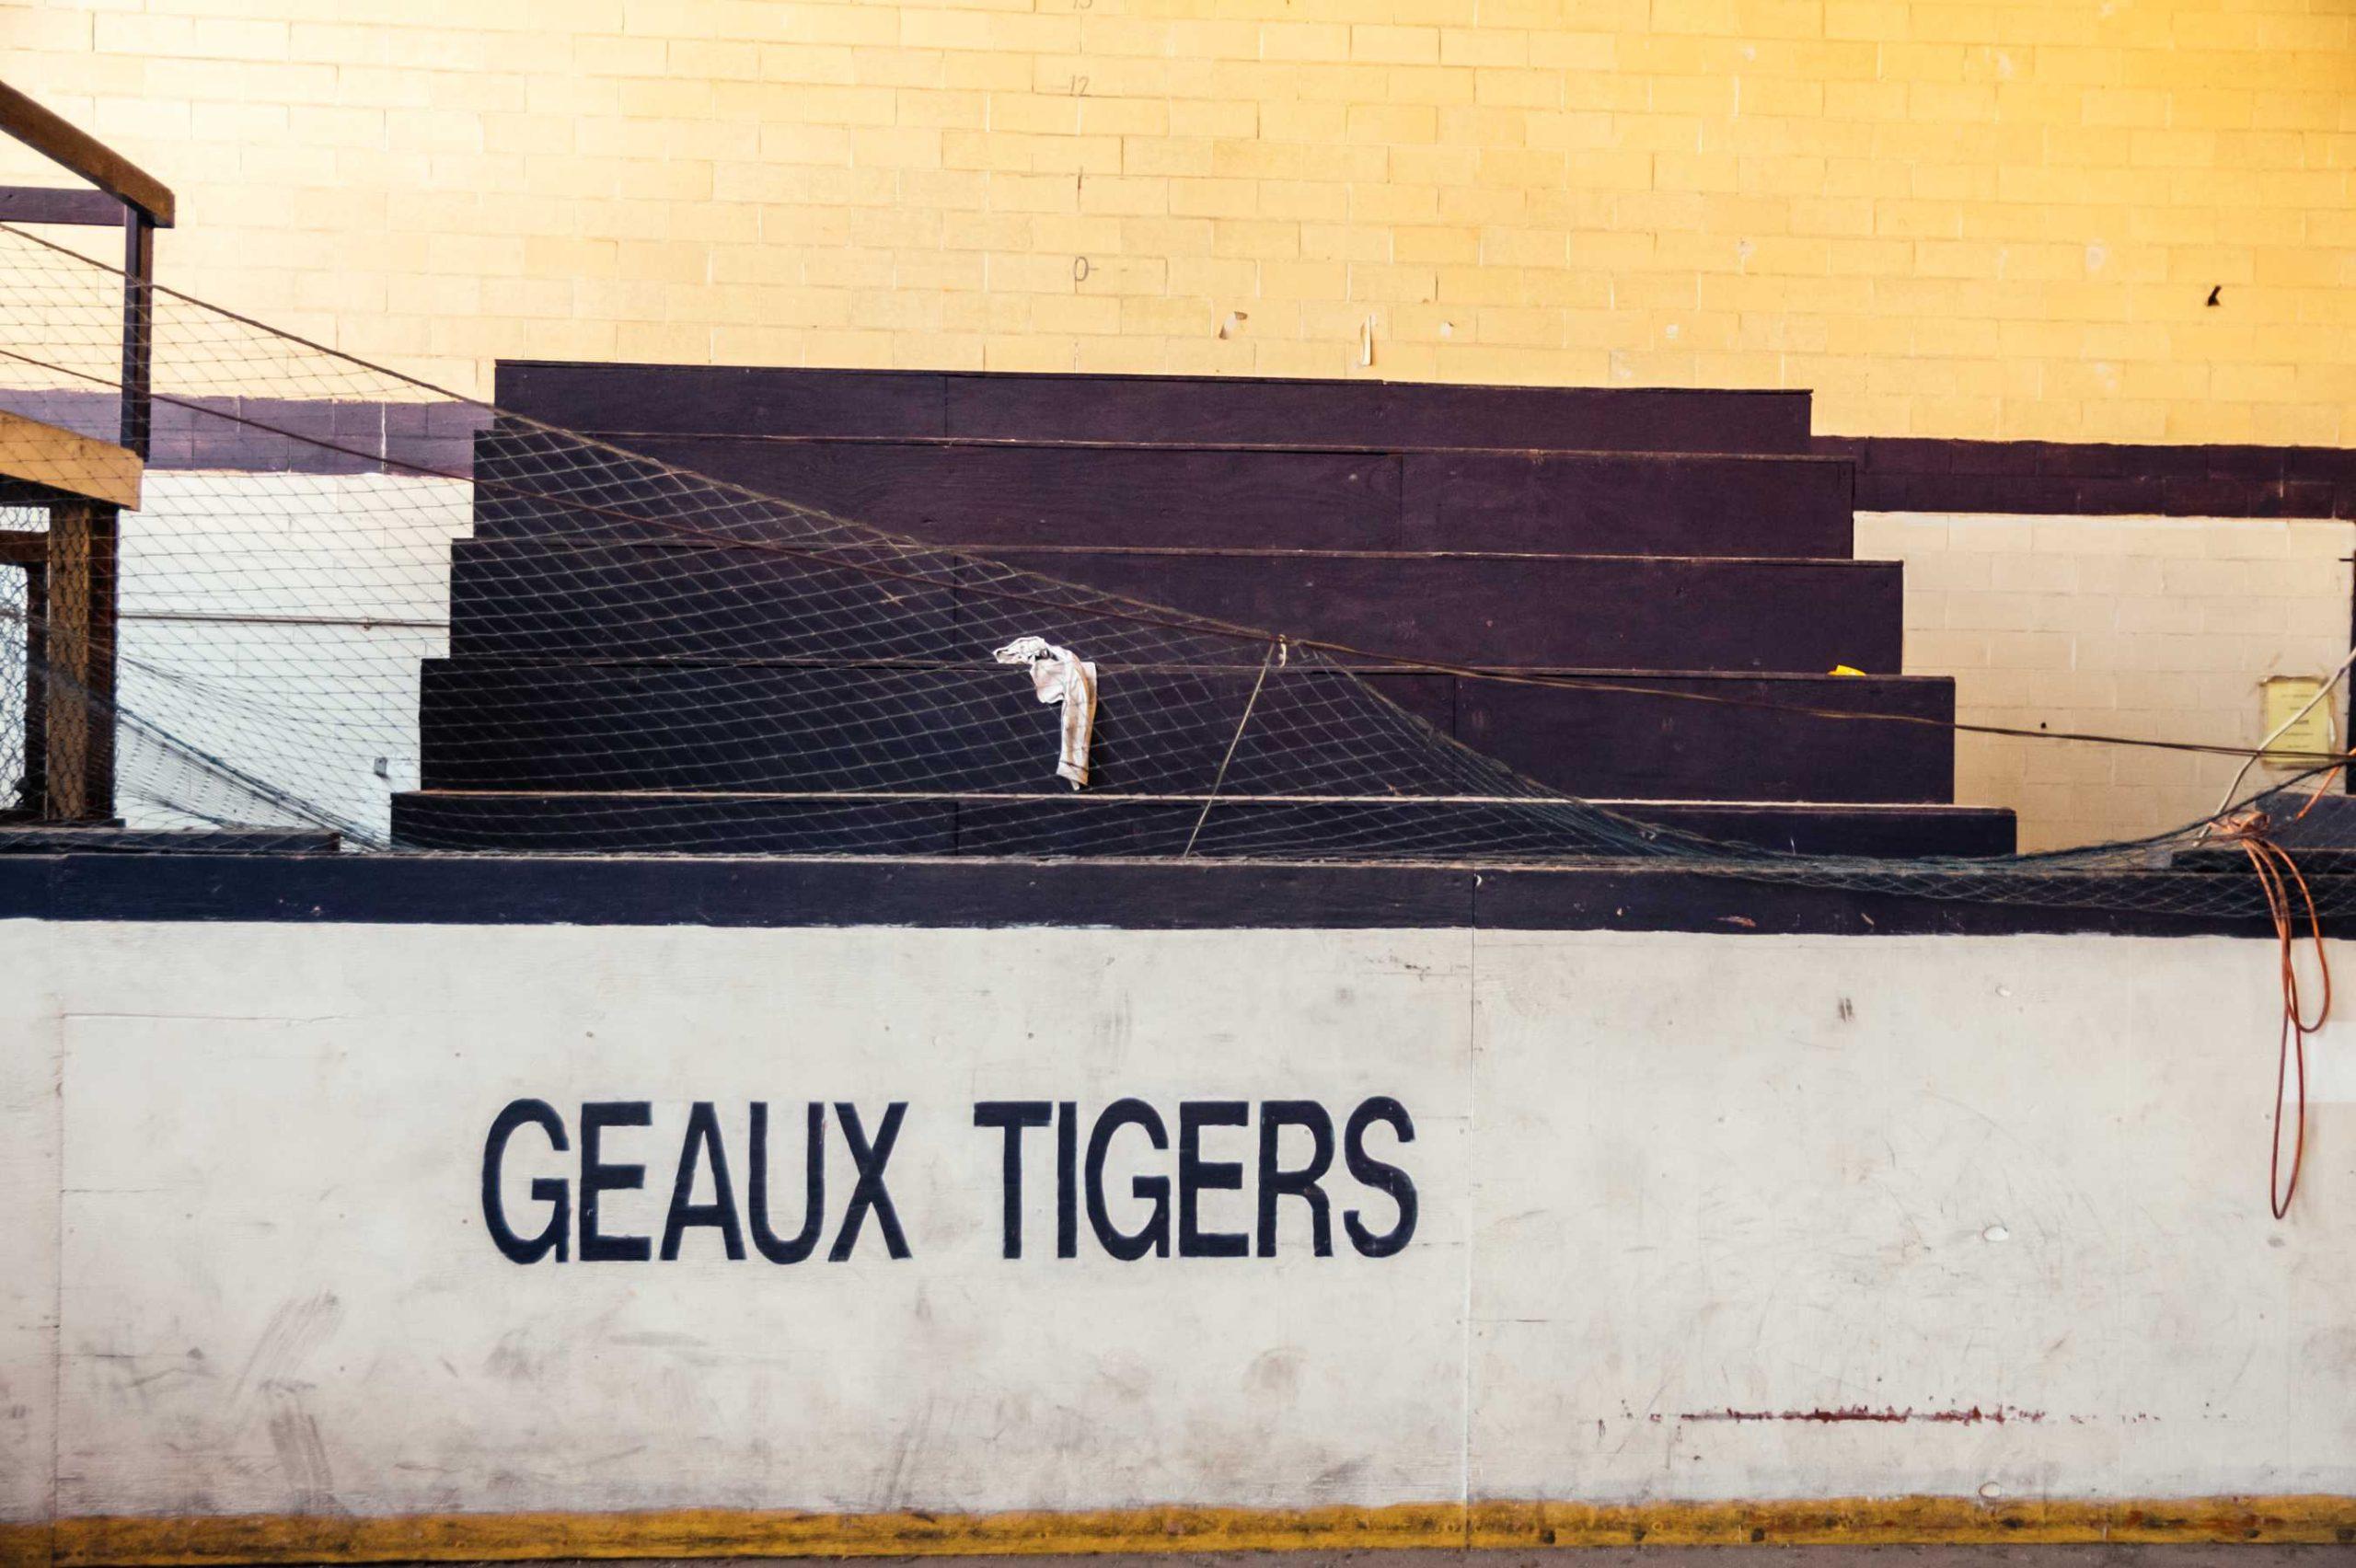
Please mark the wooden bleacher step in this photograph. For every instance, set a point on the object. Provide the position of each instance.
(1070, 824)
(704, 400)
(984, 493)
(511, 599)
(633, 667)
(490, 724)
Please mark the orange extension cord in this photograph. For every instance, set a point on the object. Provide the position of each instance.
(2279, 874)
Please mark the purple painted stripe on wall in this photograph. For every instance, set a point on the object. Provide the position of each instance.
(278, 436)
(1894, 473)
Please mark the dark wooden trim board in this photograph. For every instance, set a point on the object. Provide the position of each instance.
(395, 889)
(2071, 478)
(1893, 473)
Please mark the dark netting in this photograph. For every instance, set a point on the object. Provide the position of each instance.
(538, 641)
(15, 670)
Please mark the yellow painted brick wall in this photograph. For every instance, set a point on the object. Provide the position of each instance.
(1977, 219)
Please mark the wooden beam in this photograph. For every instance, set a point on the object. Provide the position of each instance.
(66, 703)
(40, 204)
(73, 149)
(62, 460)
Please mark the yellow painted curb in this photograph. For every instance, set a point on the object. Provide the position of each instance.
(1857, 1521)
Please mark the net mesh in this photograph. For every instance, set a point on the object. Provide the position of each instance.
(432, 626)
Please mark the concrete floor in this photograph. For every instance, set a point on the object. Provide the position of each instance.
(1614, 1557)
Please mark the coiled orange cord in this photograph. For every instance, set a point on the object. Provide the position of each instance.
(2279, 874)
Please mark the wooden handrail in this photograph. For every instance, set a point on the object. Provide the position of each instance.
(83, 154)
(59, 459)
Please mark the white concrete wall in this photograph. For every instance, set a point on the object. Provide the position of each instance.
(2153, 627)
(1662, 1179)
(273, 626)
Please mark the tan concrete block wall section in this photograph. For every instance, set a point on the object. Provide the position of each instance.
(2159, 627)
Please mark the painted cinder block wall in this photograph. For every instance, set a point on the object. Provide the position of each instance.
(1980, 221)
(1966, 221)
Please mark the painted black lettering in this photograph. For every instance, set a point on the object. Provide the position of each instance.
(1154, 1236)
(599, 1178)
(1379, 1174)
(703, 1145)
(1276, 1182)
(1068, 1179)
(814, 1200)
(868, 1190)
(1014, 1116)
(1197, 1175)
(553, 1191)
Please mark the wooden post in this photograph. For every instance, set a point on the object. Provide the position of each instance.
(84, 485)
(28, 552)
(78, 775)
(32, 795)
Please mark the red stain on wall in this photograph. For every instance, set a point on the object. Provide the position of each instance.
(1970, 1417)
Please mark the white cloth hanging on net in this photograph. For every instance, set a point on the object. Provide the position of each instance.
(1058, 675)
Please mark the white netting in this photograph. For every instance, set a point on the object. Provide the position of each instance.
(439, 626)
